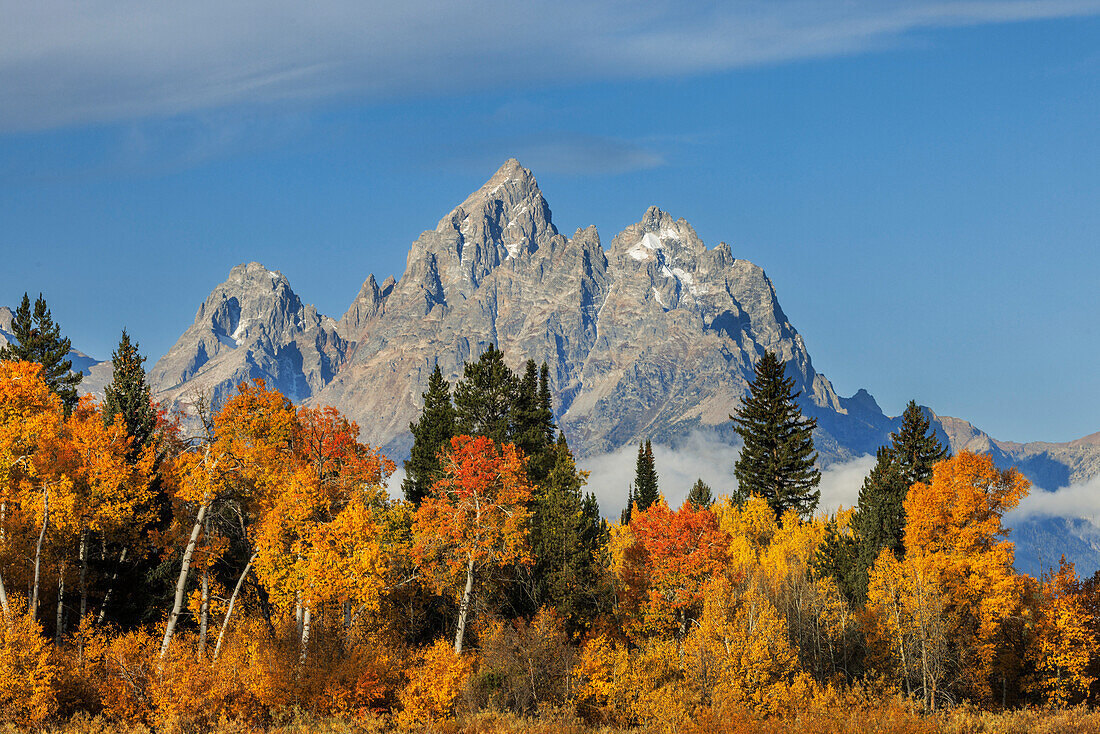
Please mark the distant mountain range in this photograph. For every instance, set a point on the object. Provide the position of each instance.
(654, 337)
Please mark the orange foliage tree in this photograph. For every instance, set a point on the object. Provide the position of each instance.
(678, 553)
(476, 516)
(1063, 648)
(957, 581)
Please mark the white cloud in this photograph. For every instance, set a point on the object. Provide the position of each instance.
(68, 63)
(1079, 500)
(706, 456)
(840, 483)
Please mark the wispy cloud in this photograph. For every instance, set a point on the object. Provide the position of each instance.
(565, 153)
(64, 63)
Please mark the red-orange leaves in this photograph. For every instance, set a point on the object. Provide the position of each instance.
(683, 550)
(477, 511)
(475, 518)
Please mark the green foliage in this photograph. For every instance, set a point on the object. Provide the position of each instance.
(777, 460)
(915, 446)
(431, 433)
(700, 495)
(39, 340)
(485, 397)
(532, 418)
(645, 477)
(567, 537)
(128, 396)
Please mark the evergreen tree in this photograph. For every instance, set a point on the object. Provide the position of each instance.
(485, 396)
(915, 446)
(566, 539)
(645, 478)
(624, 516)
(431, 433)
(879, 520)
(838, 558)
(533, 422)
(777, 460)
(39, 340)
(700, 495)
(128, 396)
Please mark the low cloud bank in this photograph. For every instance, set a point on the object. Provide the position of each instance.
(1077, 500)
(705, 456)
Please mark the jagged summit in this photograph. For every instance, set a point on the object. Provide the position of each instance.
(251, 325)
(656, 337)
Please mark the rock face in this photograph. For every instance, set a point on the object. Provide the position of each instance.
(252, 325)
(656, 337)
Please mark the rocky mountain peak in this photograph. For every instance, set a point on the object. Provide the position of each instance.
(504, 219)
(253, 325)
(5, 319)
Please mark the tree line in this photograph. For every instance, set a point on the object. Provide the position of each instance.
(259, 565)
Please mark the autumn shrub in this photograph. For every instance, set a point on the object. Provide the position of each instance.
(28, 671)
(525, 665)
(436, 681)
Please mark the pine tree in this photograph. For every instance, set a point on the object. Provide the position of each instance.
(624, 516)
(777, 460)
(39, 340)
(128, 396)
(645, 478)
(566, 539)
(532, 419)
(700, 495)
(838, 558)
(430, 433)
(879, 520)
(915, 446)
(485, 396)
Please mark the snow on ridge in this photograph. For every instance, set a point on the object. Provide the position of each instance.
(658, 297)
(646, 246)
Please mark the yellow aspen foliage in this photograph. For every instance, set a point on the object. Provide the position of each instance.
(1063, 646)
(28, 672)
(956, 553)
(435, 683)
(739, 654)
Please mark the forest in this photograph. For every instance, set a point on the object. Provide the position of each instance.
(244, 568)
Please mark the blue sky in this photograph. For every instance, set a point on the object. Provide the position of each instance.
(920, 180)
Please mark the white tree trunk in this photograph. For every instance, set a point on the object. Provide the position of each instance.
(181, 584)
(32, 610)
(464, 608)
(305, 637)
(110, 588)
(229, 611)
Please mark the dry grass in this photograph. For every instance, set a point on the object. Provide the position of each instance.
(890, 717)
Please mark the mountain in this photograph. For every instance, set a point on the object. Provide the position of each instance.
(251, 326)
(97, 373)
(654, 337)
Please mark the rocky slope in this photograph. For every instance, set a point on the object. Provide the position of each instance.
(252, 325)
(654, 337)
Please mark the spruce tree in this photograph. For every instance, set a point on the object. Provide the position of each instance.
(879, 520)
(39, 340)
(128, 397)
(645, 477)
(777, 460)
(624, 516)
(485, 396)
(915, 446)
(431, 434)
(532, 419)
(700, 497)
(566, 540)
